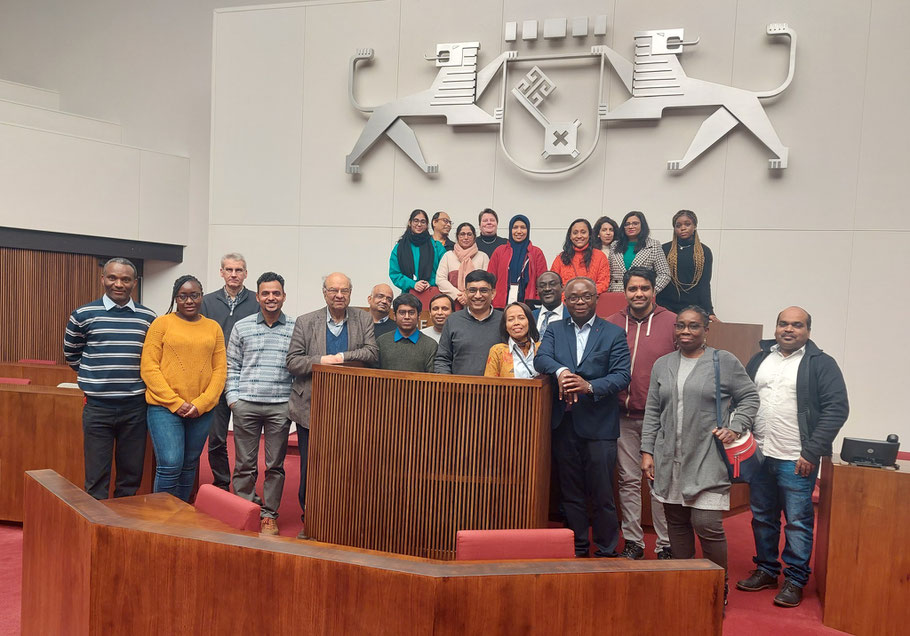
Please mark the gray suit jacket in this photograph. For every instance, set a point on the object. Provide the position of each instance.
(308, 346)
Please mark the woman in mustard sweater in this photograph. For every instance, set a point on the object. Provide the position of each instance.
(184, 369)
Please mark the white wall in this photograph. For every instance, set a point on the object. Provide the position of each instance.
(820, 234)
(146, 66)
(811, 235)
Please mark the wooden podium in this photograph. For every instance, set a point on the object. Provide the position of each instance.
(400, 462)
(862, 563)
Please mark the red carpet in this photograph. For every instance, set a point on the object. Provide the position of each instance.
(747, 613)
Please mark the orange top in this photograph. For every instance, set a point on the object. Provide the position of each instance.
(599, 271)
(501, 362)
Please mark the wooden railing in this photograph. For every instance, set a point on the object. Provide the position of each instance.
(153, 565)
(400, 462)
(41, 427)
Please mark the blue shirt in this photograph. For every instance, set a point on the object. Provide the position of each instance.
(414, 337)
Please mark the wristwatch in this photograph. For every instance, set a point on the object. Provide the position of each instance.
(590, 389)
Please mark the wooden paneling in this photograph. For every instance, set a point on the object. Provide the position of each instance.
(41, 427)
(38, 291)
(862, 560)
(43, 374)
(400, 461)
(151, 576)
(740, 339)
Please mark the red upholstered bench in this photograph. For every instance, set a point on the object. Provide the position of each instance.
(15, 381)
(235, 511)
(30, 361)
(545, 543)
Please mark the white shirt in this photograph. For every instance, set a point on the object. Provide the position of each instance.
(110, 304)
(581, 341)
(554, 314)
(523, 364)
(431, 331)
(776, 424)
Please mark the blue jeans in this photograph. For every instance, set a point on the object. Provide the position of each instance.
(178, 443)
(779, 489)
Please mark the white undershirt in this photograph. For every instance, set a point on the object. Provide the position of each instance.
(777, 425)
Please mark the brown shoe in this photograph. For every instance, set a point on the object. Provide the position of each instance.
(303, 535)
(268, 526)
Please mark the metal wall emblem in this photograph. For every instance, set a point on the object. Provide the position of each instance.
(654, 79)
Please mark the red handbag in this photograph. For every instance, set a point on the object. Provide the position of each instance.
(742, 456)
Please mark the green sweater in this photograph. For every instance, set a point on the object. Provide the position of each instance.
(405, 355)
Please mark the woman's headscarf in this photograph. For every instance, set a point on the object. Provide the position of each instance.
(518, 266)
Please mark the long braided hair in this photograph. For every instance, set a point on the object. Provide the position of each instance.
(698, 254)
(180, 282)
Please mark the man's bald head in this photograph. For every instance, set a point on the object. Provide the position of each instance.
(792, 329)
(805, 315)
(337, 291)
(380, 301)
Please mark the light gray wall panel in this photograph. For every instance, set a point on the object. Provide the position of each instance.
(334, 32)
(884, 157)
(257, 111)
(818, 116)
(876, 348)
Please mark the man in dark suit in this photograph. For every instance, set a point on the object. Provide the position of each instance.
(329, 335)
(549, 290)
(588, 359)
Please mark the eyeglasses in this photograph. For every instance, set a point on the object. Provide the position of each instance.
(445, 221)
(583, 298)
(191, 296)
(631, 223)
(418, 221)
(333, 291)
(473, 291)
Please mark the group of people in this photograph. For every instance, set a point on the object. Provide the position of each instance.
(425, 261)
(636, 391)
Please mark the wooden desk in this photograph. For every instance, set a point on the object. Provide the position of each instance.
(41, 427)
(143, 566)
(43, 374)
(862, 555)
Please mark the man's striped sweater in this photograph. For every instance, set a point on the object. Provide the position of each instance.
(103, 344)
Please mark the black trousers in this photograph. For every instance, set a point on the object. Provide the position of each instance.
(218, 455)
(114, 429)
(303, 445)
(586, 478)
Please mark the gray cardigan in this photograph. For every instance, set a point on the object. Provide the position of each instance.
(702, 468)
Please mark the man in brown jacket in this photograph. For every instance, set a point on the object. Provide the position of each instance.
(329, 335)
